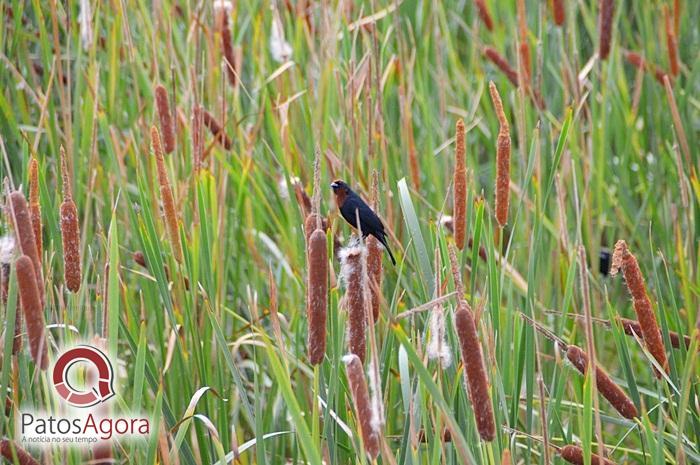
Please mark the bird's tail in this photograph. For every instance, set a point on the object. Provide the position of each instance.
(386, 246)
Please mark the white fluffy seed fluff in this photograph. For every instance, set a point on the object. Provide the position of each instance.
(437, 346)
(377, 421)
(355, 247)
(7, 249)
(280, 49)
(225, 5)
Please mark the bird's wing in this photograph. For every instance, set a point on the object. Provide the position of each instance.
(369, 221)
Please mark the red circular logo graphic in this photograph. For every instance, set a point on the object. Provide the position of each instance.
(101, 388)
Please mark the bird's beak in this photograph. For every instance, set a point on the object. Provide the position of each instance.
(335, 185)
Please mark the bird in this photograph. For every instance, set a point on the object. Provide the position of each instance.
(351, 207)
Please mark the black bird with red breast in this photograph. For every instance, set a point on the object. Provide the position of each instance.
(351, 207)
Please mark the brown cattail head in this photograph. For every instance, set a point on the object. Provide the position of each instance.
(502, 64)
(166, 119)
(632, 327)
(624, 260)
(559, 12)
(197, 136)
(227, 49)
(484, 14)
(33, 311)
(475, 372)
(139, 258)
(166, 194)
(459, 213)
(10, 450)
(638, 61)
(671, 44)
(303, 198)
(353, 270)
(606, 386)
(216, 130)
(34, 205)
(363, 408)
(574, 454)
(502, 158)
(25, 237)
(606, 9)
(311, 224)
(374, 257)
(70, 232)
(505, 457)
(317, 295)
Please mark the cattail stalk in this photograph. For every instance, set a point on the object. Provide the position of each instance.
(33, 311)
(227, 49)
(484, 14)
(166, 120)
(166, 194)
(363, 408)
(671, 44)
(623, 260)
(475, 371)
(606, 386)
(574, 455)
(559, 12)
(34, 204)
(502, 64)
(70, 232)
(374, 257)
(317, 295)
(502, 158)
(9, 450)
(351, 259)
(606, 9)
(216, 130)
(459, 213)
(25, 237)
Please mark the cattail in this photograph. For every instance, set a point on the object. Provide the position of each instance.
(363, 408)
(166, 194)
(34, 205)
(632, 327)
(505, 457)
(317, 295)
(638, 61)
(227, 48)
(197, 136)
(605, 22)
(574, 454)
(216, 130)
(459, 213)
(606, 386)
(302, 197)
(502, 158)
(625, 261)
(502, 64)
(166, 119)
(354, 273)
(70, 232)
(524, 48)
(33, 310)
(671, 44)
(559, 12)
(7, 251)
(374, 257)
(25, 237)
(437, 348)
(10, 450)
(139, 258)
(475, 372)
(484, 14)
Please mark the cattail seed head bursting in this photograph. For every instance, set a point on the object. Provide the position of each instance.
(317, 295)
(25, 237)
(70, 232)
(360, 397)
(353, 272)
(475, 372)
(166, 119)
(7, 252)
(502, 159)
(606, 386)
(33, 311)
(10, 450)
(460, 186)
(166, 194)
(574, 455)
(34, 205)
(437, 348)
(623, 260)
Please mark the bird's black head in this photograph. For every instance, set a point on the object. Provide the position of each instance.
(339, 187)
